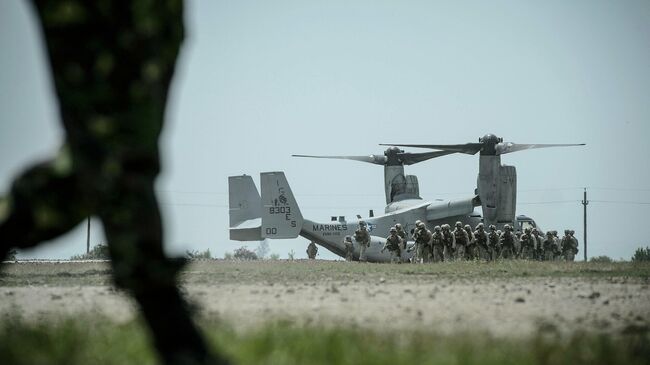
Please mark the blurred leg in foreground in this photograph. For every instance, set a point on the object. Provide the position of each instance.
(112, 64)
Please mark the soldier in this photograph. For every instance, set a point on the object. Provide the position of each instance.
(507, 242)
(493, 243)
(462, 240)
(424, 243)
(574, 241)
(312, 250)
(437, 245)
(539, 245)
(471, 252)
(558, 246)
(415, 233)
(404, 237)
(349, 248)
(449, 242)
(112, 65)
(567, 246)
(527, 245)
(550, 249)
(362, 237)
(392, 244)
(481, 242)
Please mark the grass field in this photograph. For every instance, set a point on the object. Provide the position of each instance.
(301, 312)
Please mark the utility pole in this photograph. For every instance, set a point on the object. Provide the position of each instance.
(88, 236)
(584, 203)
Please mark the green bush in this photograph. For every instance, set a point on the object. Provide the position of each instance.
(602, 259)
(244, 253)
(99, 252)
(228, 256)
(641, 255)
(274, 256)
(195, 255)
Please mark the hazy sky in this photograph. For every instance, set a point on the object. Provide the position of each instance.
(261, 80)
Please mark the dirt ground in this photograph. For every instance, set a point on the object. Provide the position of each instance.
(503, 299)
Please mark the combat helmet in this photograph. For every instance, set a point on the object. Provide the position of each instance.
(348, 238)
(479, 226)
(392, 230)
(459, 224)
(436, 228)
(507, 227)
(362, 224)
(398, 226)
(493, 227)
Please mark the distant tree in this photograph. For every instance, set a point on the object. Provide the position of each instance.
(641, 255)
(228, 256)
(99, 252)
(274, 256)
(262, 250)
(601, 259)
(291, 255)
(195, 255)
(244, 253)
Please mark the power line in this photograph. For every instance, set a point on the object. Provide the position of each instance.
(620, 202)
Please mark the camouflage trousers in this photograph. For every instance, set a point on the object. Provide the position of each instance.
(395, 256)
(438, 253)
(549, 255)
(507, 253)
(362, 252)
(526, 253)
(569, 256)
(112, 64)
(448, 253)
(493, 253)
(460, 252)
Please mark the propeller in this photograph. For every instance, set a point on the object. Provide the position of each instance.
(374, 159)
(392, 157)
(488, 145)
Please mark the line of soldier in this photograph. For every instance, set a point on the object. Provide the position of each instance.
(444, 244)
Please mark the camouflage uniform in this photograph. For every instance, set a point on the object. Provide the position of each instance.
(362, 237)
(416, 245)
(567, 246)
(481, 242)
(527, 245)
(550, 249)
(493, 243)
(349, 248)
(558, 246)
(449, 241)
(437, 245)
(112, 64)
(471, 251)
(539, 245)
(424, 244)
(462, 240)
(574, 241)
(312, 251)
(392, 244)
(403, 238)
(507, 243)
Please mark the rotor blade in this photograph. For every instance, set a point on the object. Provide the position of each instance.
(508, 147)
(413, 158)
(374, 159)
(468, 148)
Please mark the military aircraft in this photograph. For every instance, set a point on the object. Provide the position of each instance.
(276, 214)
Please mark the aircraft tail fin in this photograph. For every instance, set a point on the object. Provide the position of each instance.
(245, 209)
(281, 217)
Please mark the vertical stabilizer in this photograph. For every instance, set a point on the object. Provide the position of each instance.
(281, 217)
(244, 200)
